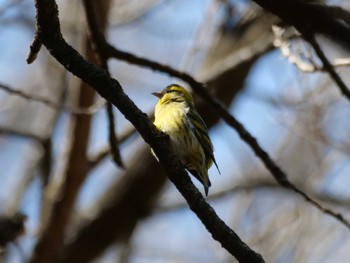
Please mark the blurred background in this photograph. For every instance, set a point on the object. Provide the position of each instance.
(54, 136)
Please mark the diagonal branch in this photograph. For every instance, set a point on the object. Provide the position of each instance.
(110, 89)
(327, 65)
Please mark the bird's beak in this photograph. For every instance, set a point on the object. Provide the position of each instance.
(158, 94)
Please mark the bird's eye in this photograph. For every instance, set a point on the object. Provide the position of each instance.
(169, 91)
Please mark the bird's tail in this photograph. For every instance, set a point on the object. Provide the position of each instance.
(203, 178)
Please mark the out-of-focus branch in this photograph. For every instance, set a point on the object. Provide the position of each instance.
(327, 65)
(34, 49)
(308, 67)
(45, 164)
(11, 228)
(113, 141)
(311, 18)
(128, 195)
(25, 134)
(96, 24)
(97, 157)
(75, 110)
(49, 31)
(256, 184)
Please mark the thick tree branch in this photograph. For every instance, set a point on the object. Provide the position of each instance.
(50, 35)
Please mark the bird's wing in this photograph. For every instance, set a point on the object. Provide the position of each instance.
(201, 132)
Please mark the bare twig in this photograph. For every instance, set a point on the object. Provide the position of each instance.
(46, 160)
(284, 45)
(34, 49)
(11, 228)
(310, 37)
(96, 33)
(96, 158)
(306, 67)
(113, 141)
(256, 184)
(75, 110)
(13, 132)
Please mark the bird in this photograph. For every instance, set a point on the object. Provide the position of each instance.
(176, 116)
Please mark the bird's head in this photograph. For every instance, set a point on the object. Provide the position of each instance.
(174, 93)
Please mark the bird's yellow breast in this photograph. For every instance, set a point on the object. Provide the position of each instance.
(170, 118)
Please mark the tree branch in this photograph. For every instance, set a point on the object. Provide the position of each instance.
(32, 97)
(327, 65)
(97, 157)
(95, 26)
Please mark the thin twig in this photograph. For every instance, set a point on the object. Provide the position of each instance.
(34, 48)
(255, 184)
(13, 132)
(74, 110)
(46, 161)
(327, 65)
(113, 141)
(284, 45)
(96, 36)
(96, 158)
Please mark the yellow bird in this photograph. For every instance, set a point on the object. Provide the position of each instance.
(176, 116)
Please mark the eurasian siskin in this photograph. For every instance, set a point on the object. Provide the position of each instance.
(176, 116)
